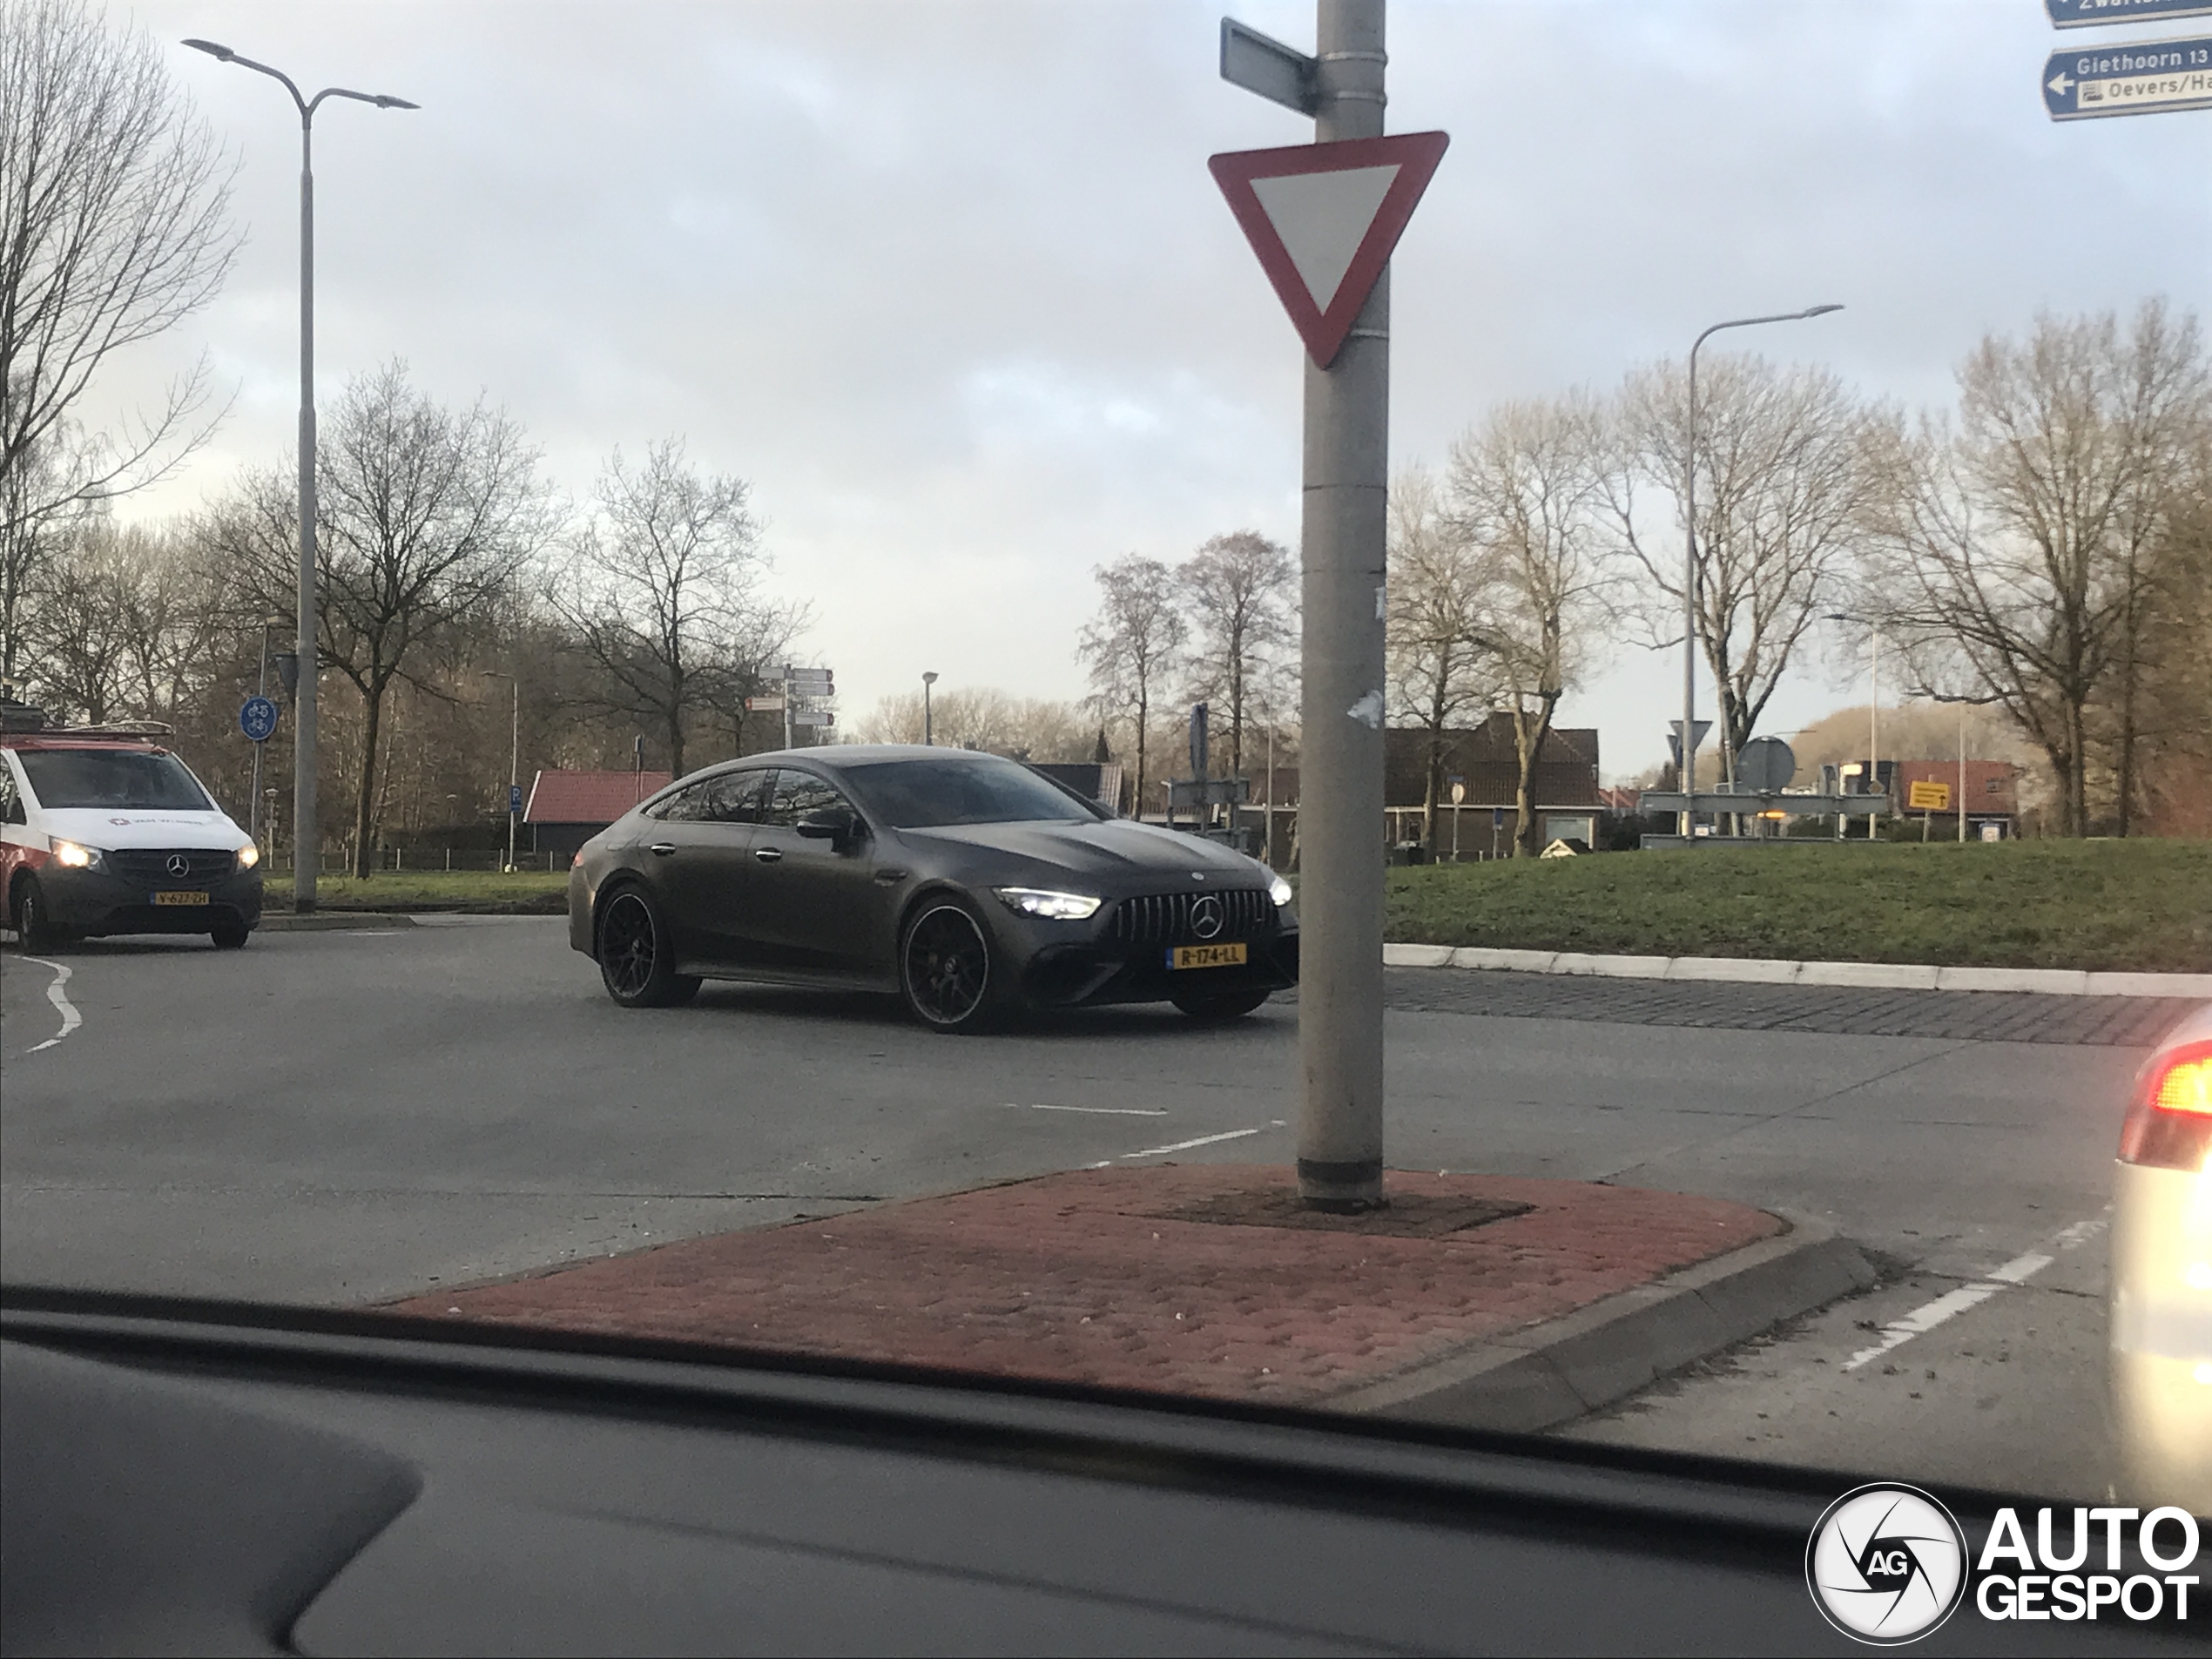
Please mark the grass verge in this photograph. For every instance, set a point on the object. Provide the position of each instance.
(489, 893)
(2143, 905)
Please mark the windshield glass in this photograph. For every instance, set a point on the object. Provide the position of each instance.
(968, 789)
(128, 778)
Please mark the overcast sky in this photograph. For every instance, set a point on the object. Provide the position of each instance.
(949, 284)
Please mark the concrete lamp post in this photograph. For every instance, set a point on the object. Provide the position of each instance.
(928, 733)
(303, 765)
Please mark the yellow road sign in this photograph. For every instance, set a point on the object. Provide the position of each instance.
(1925, 797)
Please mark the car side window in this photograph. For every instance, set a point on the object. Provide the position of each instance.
(734, 797)
(10, 801)
(798, 794)
(686, 805)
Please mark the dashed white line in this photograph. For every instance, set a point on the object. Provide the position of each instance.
(1095, 1111)
(1949, 1305)
(70, 1018)
(1184, 1146)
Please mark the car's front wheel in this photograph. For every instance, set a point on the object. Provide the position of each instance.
(1213, 1006)
(230, 935)
(636, 961)
(35, 929)
(945, 968)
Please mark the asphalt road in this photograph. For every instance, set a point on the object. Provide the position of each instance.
(352, 1116)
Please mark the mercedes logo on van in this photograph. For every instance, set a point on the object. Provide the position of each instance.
(178, 865)
(1206, 917)
(1886, 1564)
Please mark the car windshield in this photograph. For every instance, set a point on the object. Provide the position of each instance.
(964, 789)
(1529, 680)
(128, 780)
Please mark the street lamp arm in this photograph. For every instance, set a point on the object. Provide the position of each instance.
(225, 55)
(381, 100)
(1752, 322)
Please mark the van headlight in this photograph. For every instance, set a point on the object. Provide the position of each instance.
(76, 856)
(248, 856)
(1279, 890)
(1053, 907)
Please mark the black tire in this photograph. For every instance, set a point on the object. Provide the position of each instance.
(230, 935)
(1214, 1006)
(35, 930)
(946, 970)
(635, 963)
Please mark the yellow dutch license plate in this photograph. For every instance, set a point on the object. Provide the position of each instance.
(1206, 956)
(180, 898)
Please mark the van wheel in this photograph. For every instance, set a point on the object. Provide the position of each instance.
(230, 935)
(35, 927)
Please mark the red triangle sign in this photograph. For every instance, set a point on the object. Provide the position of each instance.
(1323, 217)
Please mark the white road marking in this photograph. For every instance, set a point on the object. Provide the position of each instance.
(1099, 1111)
(70, 1018)
(1949, 1305)
(1184, 1146)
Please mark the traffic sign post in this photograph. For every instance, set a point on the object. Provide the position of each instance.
(1324, 219)
(2082, 14)
(2142, 77)
(805, 689)
(257, 717)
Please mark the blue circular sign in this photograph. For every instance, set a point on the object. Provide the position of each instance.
(257, 717)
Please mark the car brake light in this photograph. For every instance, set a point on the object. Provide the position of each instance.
(2169, 1123)
(2184, 1086)
(576, 858)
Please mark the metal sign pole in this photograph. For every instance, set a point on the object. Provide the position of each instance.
(1347, 467)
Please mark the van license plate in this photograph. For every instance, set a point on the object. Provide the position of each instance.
(1206, 956)
(180, 898)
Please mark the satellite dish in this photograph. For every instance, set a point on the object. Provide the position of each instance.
(1765, 765)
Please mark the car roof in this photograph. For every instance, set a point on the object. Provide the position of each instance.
(64, 739)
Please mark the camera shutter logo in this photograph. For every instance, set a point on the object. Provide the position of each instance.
(1886, 1564)
(178, 865)
(1206, 916)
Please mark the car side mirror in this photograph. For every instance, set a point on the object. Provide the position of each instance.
(840, 828)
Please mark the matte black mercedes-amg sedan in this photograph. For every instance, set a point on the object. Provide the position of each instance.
(971, 884)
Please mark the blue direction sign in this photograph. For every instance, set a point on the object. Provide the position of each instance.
(2142, 77)
(2080, 14)
(257, 717)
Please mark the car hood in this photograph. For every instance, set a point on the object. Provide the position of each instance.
(1118, 853)
(108, 828)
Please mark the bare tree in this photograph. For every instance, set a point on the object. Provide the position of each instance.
(984, 718)
(1524, 489)
(123, 626)
(1783, 481)
(428, 517)
(662, 588)
(2018, 548)
(1238, 588)
(1440, 672)
(113, 202)
(1134, 639)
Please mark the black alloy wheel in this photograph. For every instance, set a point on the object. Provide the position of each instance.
(35, 929)
(635, 961)
(229, 935)
(945, 968)
(1210, 1006)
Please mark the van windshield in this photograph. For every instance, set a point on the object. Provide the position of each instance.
(138, 779)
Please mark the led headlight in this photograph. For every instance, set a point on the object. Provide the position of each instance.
(248, 856)
(1053, 907)
(75, 856)
(1279, 890)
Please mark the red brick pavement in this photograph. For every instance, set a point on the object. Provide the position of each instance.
(1087, 1277)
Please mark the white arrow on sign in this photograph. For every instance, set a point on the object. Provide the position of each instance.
(2059, 83)
(1324, 218)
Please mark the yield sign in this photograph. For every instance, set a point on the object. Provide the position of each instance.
(1323, 217)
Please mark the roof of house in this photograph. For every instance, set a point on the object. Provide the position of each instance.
(1992, 787)
(1483, 757)
(589, 797)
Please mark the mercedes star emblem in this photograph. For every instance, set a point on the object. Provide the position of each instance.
(1206, 917)
(178, 865)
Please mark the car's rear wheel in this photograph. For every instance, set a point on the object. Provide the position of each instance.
(1219, 1005)
(35, 929)
(945, 968)
(636, 961)
(230, 935)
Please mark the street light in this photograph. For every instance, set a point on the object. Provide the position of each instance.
(1963, 702)
(514, 757)
(1689, 569)
(253, 811)
(303, 735)
(929, 680)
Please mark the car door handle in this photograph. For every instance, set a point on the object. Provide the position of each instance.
(661, 849)
(890, 878)
(767, 854)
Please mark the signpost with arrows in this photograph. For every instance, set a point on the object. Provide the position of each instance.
(2135, 77)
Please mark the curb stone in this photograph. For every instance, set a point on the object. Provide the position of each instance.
(332, 922)
(1889, 977)
(1550, 1373)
